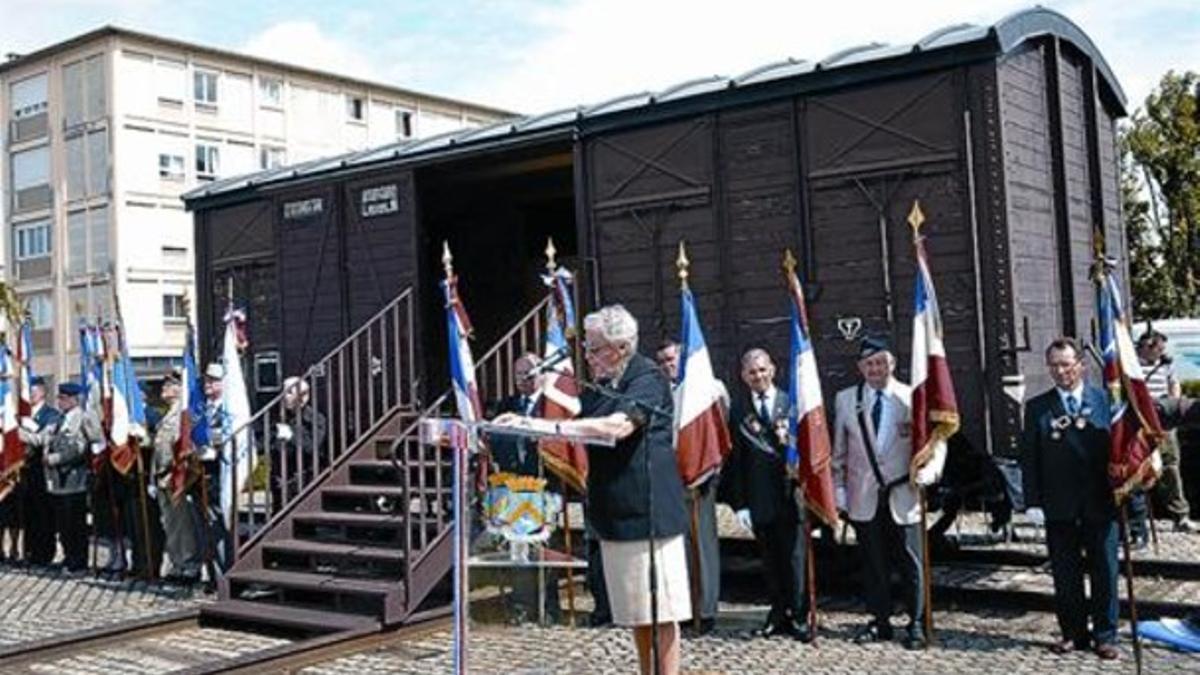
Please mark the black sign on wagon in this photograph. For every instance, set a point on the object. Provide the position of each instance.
(380, 200)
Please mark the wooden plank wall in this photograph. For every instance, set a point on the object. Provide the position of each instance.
(1078, 195)
(1033, 240)
(312, 283)
(380, 243)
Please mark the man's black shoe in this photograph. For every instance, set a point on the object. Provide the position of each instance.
(914, 638)
(800, 631)
(775, 627)
(599, 620)
(873, 632)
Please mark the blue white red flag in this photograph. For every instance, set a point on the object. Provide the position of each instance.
(560, 389)
(809, 455)
(462, 364)
(12, 454)
(934, 406)
(1134, 461)
(122, 448)
(702, 440)
(193, 422)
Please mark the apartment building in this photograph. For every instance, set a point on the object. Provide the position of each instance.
(103, 132)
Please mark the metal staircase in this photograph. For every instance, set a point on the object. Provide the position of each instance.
(355, 534)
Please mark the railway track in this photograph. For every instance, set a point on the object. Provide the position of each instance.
(198, 649)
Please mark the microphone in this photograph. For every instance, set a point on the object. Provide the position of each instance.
(558, 356)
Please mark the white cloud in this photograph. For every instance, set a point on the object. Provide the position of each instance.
(303, 43)
(596, 49)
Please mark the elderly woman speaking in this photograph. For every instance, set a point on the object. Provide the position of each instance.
(619, 485)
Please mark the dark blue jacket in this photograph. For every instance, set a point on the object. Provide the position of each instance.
(1066, 470)
(617, 482)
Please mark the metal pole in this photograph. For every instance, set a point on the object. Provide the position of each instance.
(1133, 617)
(461, 526)
(926, 572)
(694, 493)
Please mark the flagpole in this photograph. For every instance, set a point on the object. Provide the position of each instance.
(681, 265)
(1133, 617)
(567, 572)
(461, 518)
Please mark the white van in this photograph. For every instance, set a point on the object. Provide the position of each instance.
(1183, 344)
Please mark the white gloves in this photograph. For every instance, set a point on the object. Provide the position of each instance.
(1035, 516)
(29, 425)
(283, 432)
(152, 491)
(208, 454)
(743, 518)
(926, 476)
(840, 499)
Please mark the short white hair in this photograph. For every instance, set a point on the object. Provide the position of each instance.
(616, 324)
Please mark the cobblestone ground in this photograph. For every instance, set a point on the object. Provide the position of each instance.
(37, 605)
(971, 531)
(979, 642)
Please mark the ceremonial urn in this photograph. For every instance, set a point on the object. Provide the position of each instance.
(519, 509)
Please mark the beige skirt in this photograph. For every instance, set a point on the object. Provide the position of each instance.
(627, 577)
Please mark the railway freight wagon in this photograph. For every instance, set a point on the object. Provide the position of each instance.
(1005, 133)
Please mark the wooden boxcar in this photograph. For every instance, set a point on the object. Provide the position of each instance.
(1006, 133)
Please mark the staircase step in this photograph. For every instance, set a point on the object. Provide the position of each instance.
(320, 592)
(383, 472)
(343, 560)
(247, 613)
(308, 581)
(384, 499)
(358, 527)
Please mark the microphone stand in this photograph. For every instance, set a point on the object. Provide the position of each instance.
(651, 412)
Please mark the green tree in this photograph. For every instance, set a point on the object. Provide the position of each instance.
(1162, 147)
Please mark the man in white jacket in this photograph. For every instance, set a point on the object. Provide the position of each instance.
(872, 452)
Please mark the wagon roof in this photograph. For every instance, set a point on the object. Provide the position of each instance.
(955, 44)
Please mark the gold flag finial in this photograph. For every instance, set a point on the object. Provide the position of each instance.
(789, 262)
(681, 264)
(447, 259)
(551, 265)
(916, 218)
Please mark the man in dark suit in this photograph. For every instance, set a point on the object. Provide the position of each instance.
(763, 495)
(1065, 466)
(519, 455)
(38, 509)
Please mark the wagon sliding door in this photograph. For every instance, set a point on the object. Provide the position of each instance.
(310, 286)
(871, 153)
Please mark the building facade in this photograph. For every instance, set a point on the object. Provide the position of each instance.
(103, 133)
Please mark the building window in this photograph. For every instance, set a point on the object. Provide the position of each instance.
(270, 157)
(270, 91)
(404, 123)
(205, 91)
(27, 100)
(87, 164)
(41, 311)
(207, 161)
(170, 79)
(355, 108)
(173, 309)
(31, 179)
(87, 241)
(84, 91)
(32, 239)
(174, 256)
(170, 167)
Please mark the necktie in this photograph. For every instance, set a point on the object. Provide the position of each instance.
(763, 411)
(1072, 405)
(877, 411)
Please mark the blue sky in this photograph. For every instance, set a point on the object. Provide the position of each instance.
(534, 55)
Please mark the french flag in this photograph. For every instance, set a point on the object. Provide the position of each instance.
(808, 451)
(462, 364)
(560, 389)
(12, 455)
(237, 408)
(1134, 461)
(25, 361)
(701, 435)
(193, 422)
(934, 407)
(123, 452)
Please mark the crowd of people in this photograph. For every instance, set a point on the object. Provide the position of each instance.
(1065, 485)
(163, 512)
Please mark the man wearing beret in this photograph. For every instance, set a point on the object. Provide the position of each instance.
(872, 452)
(66, 449)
